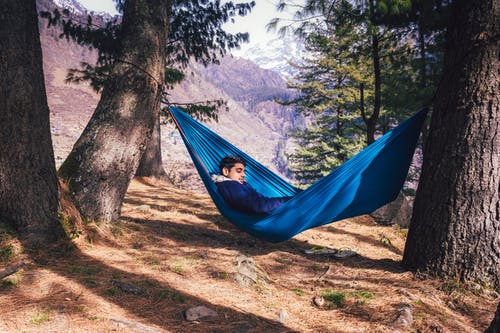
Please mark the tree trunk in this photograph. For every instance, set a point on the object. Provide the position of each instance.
(495, 323)
(421, 47)
(371, 122)
(455, 229)
(29, 191)
(151, 164)
(106, 156)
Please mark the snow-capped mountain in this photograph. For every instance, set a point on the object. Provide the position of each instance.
(277, 54)
(72, 5)
(77, 8)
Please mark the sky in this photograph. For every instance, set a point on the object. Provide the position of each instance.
(254, 23)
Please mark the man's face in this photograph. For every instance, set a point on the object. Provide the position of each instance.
(237, 172)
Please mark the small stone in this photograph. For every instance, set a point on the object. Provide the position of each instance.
(436, 327)
(199, 312)
(405, 316)
(283, 316)
(128, 288)
(409, 295)
(248, 273)
(318, 301)
(143, 208)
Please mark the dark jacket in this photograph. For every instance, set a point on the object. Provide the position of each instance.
(245, 198)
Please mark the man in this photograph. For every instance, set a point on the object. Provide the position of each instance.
(239, 194)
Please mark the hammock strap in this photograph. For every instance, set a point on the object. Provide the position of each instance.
(191, 149)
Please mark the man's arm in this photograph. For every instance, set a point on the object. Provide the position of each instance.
(245, 198)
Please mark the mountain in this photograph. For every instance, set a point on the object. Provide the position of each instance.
(254, 122)
(277, 55)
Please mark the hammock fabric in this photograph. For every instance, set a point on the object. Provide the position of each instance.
(367, 181)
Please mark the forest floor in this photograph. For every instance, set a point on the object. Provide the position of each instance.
(172, 251)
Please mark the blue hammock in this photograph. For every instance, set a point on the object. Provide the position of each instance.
(364, 183)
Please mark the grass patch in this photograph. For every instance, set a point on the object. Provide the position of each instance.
(154, 262)
(403, 232)
(90, 282)
(40, 317)
(362, 294)
(284, 261)
(6, 233)
(172, 295)
(298, 292)
(149, 284)
(116, 231)
(385, 241)
(111, 291)
(10, 282)
(69, 225)
(453, 286)
(336, 299)
(7, 252)
(177, 268)
(220, 275)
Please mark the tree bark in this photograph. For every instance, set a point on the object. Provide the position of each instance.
(495, 323)
(106, 156)
(29, 190)
(371, 122)
(151, 164)
(455, 229)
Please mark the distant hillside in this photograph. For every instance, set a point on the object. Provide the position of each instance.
(254, 122)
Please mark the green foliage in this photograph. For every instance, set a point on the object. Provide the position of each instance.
(336, 299)
(195, 32)
(410, 192)
(40, 317)
(173, 75)
(362, 294)
(6, 253)
(385, 241)
(172, 295)
(112, 291)
(342, 93)
(10, 282)
(69, 225)
(202, 111)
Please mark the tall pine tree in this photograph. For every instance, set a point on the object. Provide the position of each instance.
(29, 190)
(455, 228)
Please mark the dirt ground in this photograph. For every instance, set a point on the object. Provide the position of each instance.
(172, 251)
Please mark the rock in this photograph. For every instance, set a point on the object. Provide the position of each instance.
(283, 316)
(318, 301)
(135, 326)
(397, 212)
(409, 295)
(404, 317)
(128, 288)
(199, 312)
(436, 327)
(247, 273)
(143, 208)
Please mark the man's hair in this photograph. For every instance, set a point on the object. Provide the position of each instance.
(229, 162)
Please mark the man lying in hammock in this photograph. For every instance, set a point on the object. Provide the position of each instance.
(239, 194)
